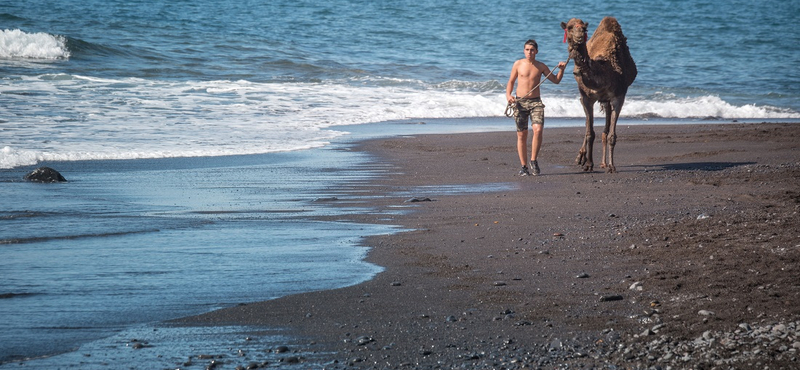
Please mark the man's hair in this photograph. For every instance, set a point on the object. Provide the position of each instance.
(532, 42)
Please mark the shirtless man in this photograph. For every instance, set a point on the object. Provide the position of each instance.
(527, 74)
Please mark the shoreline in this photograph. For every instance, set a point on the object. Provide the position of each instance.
(566, 267)
(198, 226)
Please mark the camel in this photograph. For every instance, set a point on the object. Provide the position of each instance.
(604, 70)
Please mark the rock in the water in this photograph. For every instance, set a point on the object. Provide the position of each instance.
(44, 174)
(416, 200)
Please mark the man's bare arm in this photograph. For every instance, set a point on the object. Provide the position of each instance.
(557, 78)
(510, 85)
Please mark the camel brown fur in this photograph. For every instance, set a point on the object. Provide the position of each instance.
(604, 70)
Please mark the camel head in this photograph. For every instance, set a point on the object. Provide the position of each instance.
(576, 32)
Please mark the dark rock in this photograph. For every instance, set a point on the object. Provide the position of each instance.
(609, 298)
(44, 174)
(415, 200)
(13, 295)
(291, 360)
(364, 340)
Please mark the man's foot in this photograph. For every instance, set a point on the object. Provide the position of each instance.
(524, 171)
(535, 168)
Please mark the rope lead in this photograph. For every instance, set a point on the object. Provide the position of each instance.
(511, 108)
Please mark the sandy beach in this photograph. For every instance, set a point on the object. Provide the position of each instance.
(688, 257)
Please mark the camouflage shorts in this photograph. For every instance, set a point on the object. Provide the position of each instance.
(533, 108)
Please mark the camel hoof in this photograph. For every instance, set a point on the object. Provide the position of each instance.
(581, 159)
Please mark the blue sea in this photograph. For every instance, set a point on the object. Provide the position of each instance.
(164, 116)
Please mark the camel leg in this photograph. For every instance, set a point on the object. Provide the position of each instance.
(616, 107)
(581, 159)
(585, 153)
(607, 110)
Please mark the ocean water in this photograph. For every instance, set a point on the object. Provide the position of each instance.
(170, 93)
(112, 79)
(132, 242)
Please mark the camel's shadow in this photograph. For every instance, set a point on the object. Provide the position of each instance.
(695, 166)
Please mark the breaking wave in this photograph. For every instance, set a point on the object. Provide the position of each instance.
(63, 117)
(39, 45)
(703, 107)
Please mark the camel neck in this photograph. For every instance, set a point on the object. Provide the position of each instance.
(579, 54)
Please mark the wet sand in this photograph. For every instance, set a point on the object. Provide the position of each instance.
(690, 249)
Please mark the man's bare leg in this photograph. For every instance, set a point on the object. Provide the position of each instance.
(522, 147)
(536, 142)
(522, 151)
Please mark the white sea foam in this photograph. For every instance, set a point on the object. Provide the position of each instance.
(39, 45)
(687, 107)
(60, 117)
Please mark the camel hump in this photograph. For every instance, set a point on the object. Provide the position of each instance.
(609, 43)
(610, 25)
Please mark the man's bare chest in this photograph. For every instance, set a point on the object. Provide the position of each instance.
(529, 71)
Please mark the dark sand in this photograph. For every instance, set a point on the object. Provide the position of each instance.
(696, 234)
